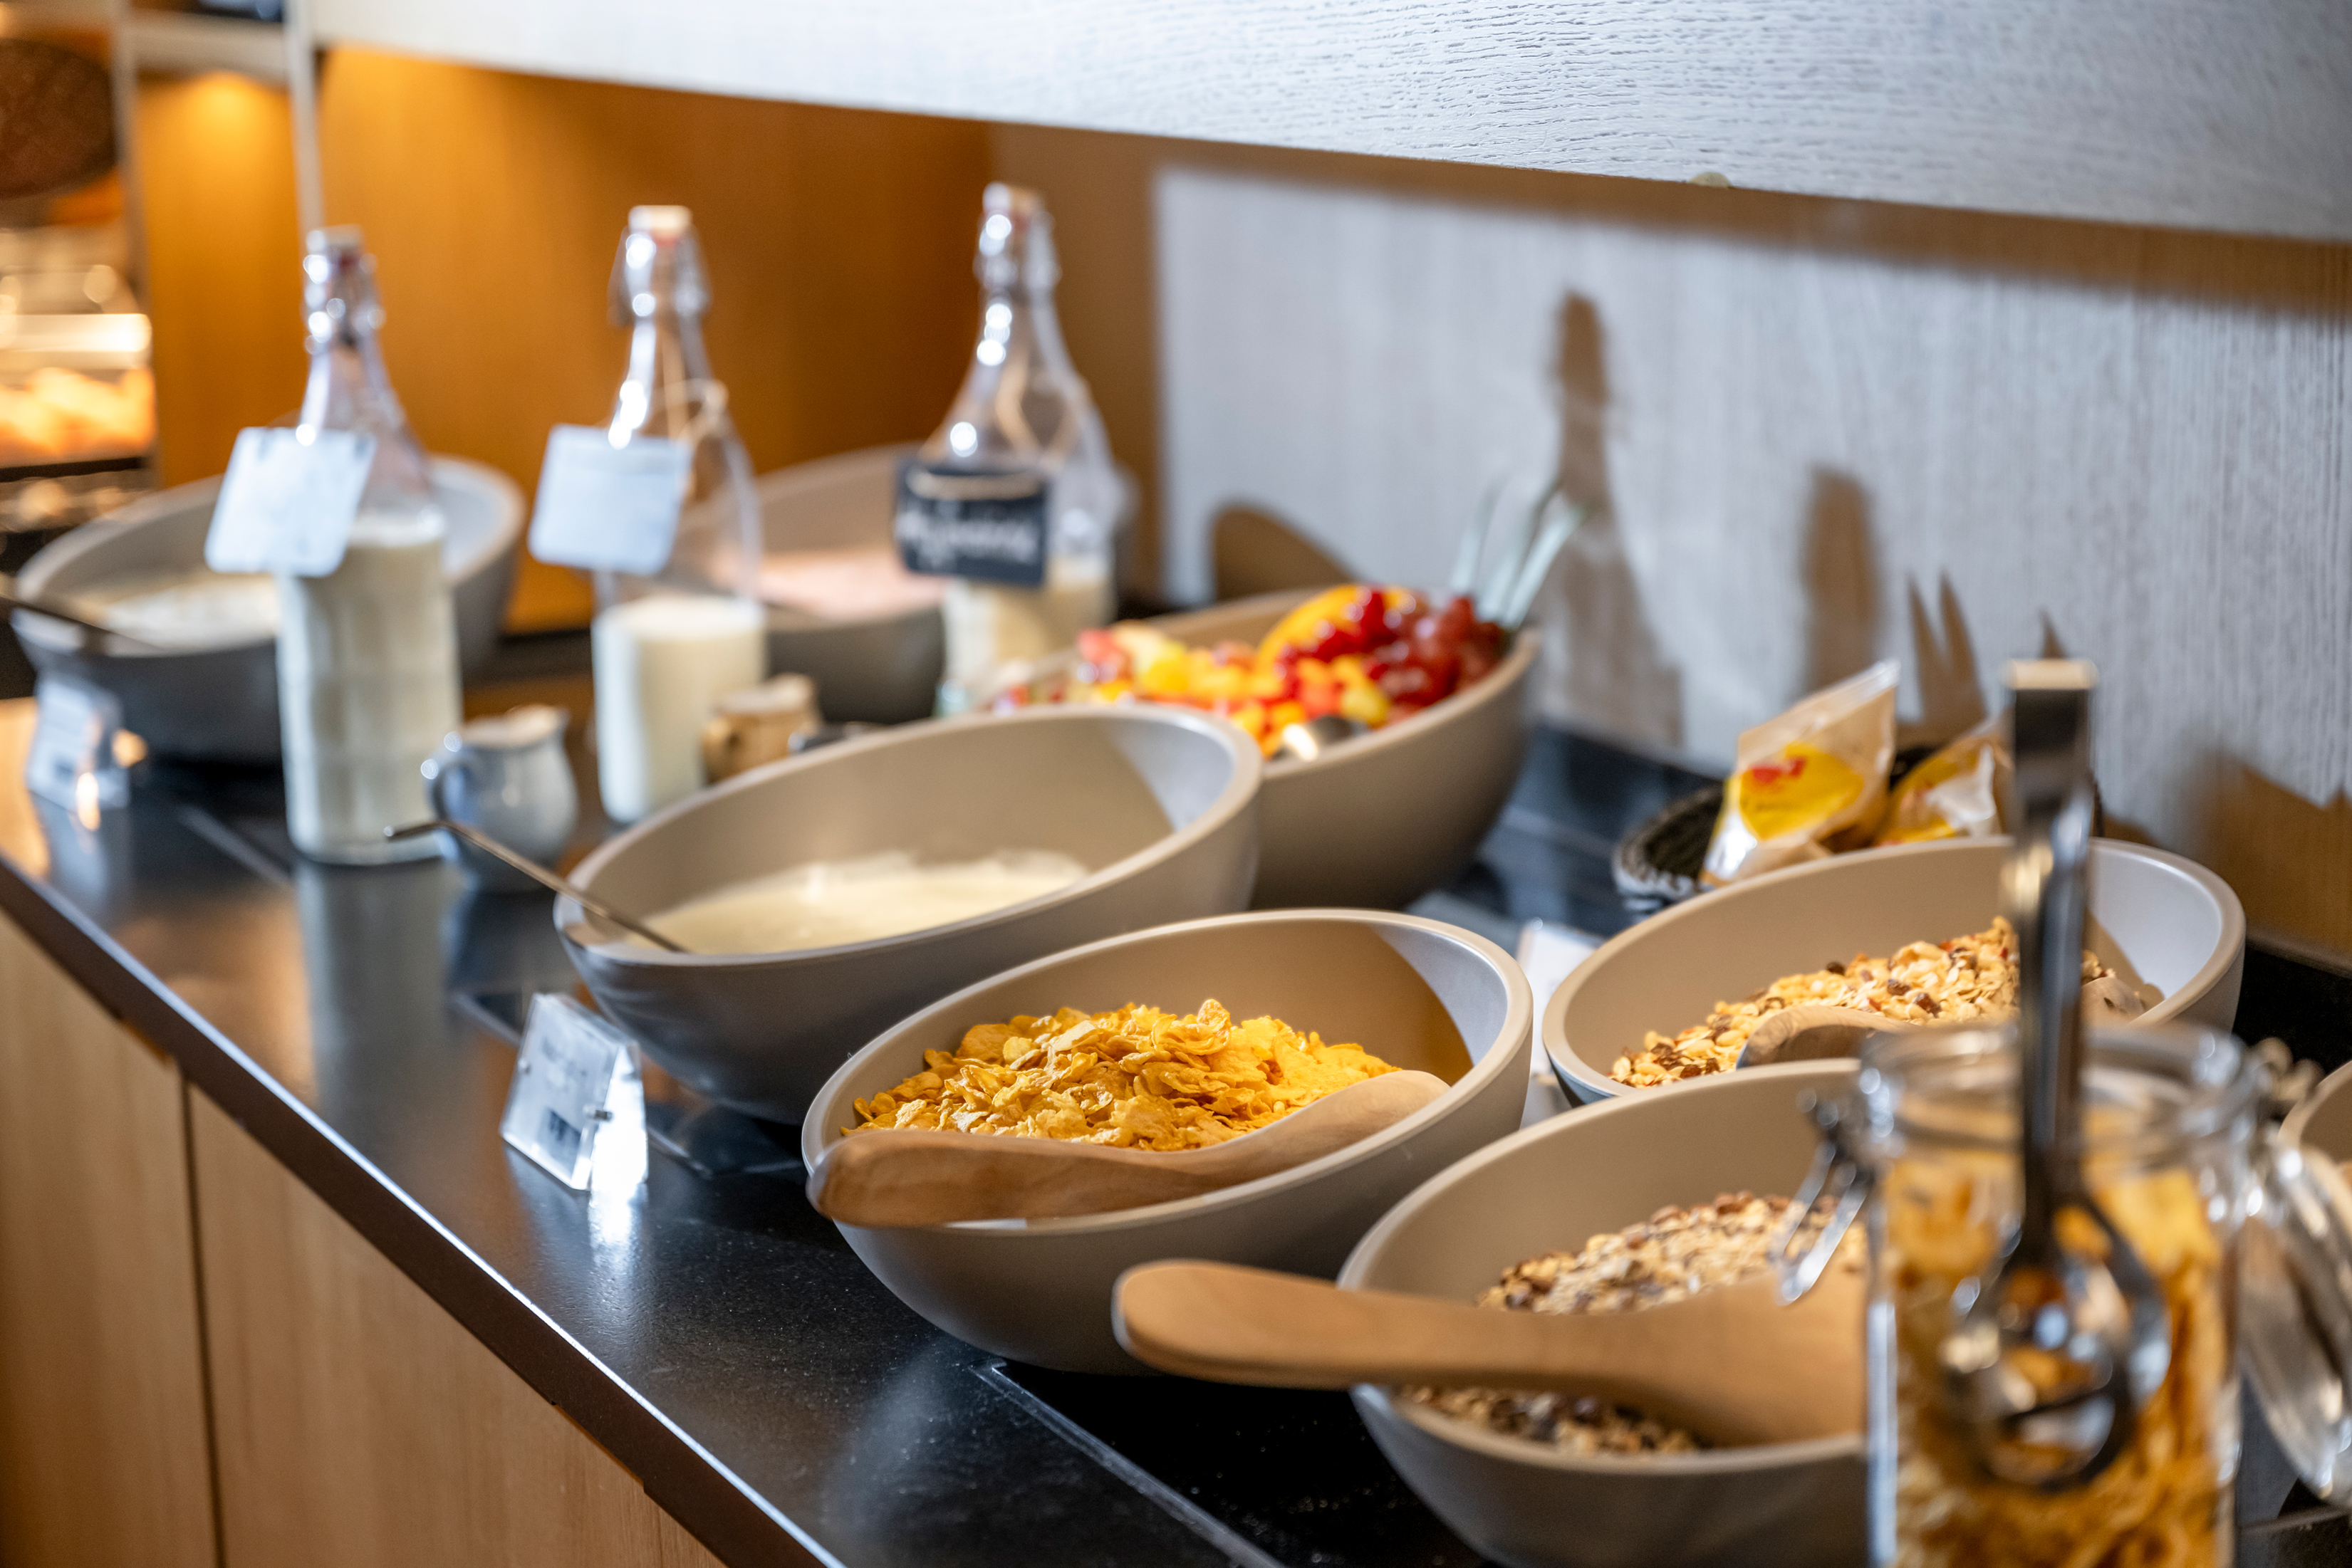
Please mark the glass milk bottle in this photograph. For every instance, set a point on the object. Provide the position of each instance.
(367, 656)
(1022, 447)
(667, 647)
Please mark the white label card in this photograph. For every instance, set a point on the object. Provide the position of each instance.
(287, 504)
(605, 508)
(73, 738)
(571, 1085)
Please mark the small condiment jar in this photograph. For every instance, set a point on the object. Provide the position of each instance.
(2247, 1242)
(757, 725)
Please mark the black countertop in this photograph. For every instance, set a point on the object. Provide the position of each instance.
(709, 1329)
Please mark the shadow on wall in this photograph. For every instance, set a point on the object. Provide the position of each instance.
(1944, 662)
(1841, 578)
(1253, 551)
(2289, 860)
(1603, 663)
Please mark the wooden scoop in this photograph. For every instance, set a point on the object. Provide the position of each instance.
(908, 1175)
(1731, 1365)
(1811, 1032)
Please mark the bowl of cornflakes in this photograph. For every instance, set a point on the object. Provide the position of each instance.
(1375, 820)
(1907, 933)
(1156, 1039)
(1612, 1208)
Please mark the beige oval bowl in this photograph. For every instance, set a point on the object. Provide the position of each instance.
(1380, 820)
(1551, 1188)
(220, 702)
(878, 669)
(1159, 803)
(2156, 917)
(1411, 991)
(2323, 1122)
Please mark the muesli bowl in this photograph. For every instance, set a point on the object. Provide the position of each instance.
(1551, 1188)
(1159, 805)
(1419, 994)
(2156, 919)
(1378, 819)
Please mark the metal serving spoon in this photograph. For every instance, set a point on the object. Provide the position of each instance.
(2052, 1358)
(13, 597)
(537, 872)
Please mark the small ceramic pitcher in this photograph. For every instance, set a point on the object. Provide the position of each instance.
(507, 776)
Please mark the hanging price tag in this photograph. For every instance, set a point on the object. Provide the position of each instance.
(575, 1084)
(985, 526)
(73, 741)
(287, 504)
(608, 508)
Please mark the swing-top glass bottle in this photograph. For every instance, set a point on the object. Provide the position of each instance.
(367, 656)
(1024, 417)
(669, 646)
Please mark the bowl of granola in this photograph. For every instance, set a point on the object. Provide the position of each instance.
(1580, 1213)
(1909, 934)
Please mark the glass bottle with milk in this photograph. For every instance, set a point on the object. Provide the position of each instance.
(1014, 498)
(367, 656)
(669, 646)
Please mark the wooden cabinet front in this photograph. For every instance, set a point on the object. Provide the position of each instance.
(102, 1454)
(356, 1423)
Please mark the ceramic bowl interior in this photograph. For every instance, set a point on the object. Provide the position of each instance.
(1419, 994)
(1550, 1188)
(1101, 787)
(2154, 916)
(165, 531)
(220, 702)
(2323, 1122)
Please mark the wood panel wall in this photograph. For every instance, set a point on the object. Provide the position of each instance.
(839, 245)
(1816, 433)
(2222, 114)
(224, 284)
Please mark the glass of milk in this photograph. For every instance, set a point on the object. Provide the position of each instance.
(667, 647)
(367, 656)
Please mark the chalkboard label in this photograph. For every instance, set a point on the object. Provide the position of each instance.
(990, 526)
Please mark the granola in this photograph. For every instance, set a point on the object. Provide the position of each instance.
(1676, 1253)
(1957, 982)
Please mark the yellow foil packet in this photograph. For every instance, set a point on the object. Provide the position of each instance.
(1814, 776)
(1954, 794)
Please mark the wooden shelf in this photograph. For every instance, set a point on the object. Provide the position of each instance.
(187, 42)
(2230, 115)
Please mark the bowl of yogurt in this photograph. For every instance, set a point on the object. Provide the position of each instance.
(821, 899)
(204, 686)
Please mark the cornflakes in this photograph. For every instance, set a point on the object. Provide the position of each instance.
(1136, 1078)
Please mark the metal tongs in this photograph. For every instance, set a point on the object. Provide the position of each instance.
(2053, 1351)
(2052, 1358)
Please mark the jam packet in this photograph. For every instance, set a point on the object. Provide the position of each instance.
(1954, 794)
(1809, 783)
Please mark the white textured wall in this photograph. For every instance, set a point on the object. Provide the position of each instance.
(2138, 443)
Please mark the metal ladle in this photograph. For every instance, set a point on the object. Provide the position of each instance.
(2053, 1357)
(537, 872)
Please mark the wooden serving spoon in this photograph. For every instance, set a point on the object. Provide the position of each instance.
(1813, 1031)
(913, 1176)
(1731, 1364)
